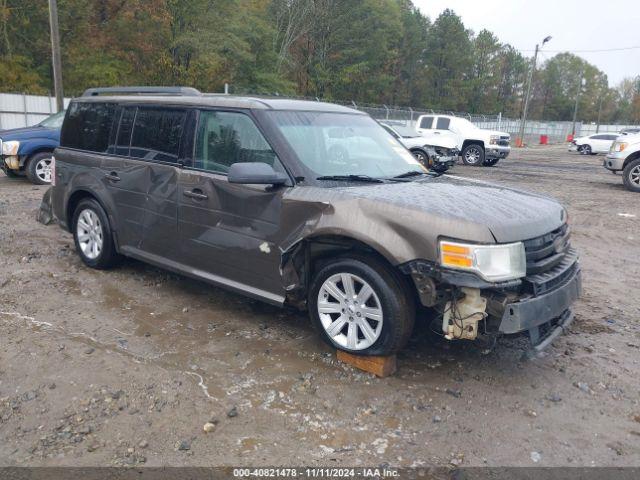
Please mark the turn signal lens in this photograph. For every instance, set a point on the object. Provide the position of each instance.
(492, 262)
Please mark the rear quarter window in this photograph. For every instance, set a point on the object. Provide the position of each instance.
(88, 126)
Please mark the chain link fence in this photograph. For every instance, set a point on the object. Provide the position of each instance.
(19, 110)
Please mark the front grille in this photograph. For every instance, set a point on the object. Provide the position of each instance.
(503, 143)
(550, 260)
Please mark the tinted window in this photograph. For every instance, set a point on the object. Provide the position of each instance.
(426, 122)
(156, 134)
(124, 131)
(87, 126)
(443, 123)
(225, 138)
(611, 137)
(598, 137)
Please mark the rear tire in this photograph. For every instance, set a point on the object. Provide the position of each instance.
(422, 157)
(38, 168)
(93, 236)
(362, 306)
(585, 150)
(473, 155)
(631, 176)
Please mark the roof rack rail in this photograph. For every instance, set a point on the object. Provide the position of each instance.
(180, 91)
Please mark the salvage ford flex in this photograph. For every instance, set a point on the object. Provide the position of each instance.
(244, 194)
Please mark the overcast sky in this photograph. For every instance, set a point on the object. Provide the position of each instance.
(574, 24)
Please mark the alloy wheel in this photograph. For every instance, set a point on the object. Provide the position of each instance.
(472, 155)
(634, 175)
(90, 234)
(43, 170)
(350, 311)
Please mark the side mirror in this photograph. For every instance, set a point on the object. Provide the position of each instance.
(255, 173)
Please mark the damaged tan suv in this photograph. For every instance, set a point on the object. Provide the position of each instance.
(248, 194)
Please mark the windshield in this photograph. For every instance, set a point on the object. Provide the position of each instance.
(332, 144)
(54, 121)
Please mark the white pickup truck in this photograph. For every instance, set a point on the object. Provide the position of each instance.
(477, 147)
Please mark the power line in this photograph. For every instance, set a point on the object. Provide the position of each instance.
(589, 51)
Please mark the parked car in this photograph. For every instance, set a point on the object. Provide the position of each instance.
(625, 157)
(243, 193)
(435, 152)
(477, 146)
(630, 131)
(592, 144)
(29, 150)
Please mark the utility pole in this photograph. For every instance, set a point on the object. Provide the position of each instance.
(55, 54)
(600, 108)
(575, 109)
(528, 95)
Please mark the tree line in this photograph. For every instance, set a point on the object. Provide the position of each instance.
(367, 51)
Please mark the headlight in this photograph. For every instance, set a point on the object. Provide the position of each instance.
(10, 148)
(619, 146)
(493, 139)
(494, 263)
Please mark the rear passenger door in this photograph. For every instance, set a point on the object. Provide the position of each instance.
(126, 182)
(228, 231)
(155, 147)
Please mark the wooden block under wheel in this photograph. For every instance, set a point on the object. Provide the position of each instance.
(379, 366)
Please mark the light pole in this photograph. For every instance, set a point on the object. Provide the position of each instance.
(526, 98)
(55, 54)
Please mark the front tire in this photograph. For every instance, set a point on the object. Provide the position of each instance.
(491, 162)
(362, 306)
(38, 168)
(93, 236)
(473, 155)
(631, 175)
(10, 173)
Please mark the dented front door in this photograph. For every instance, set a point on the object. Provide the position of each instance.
(230, 231)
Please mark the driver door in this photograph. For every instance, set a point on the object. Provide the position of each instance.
(229, 231)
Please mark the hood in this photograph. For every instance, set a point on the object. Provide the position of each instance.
(496, 132)
(467, 209)
(404, 221)
(28, 133)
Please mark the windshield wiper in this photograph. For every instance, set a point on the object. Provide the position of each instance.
(351, 178)
(415, 173)
(411, 173)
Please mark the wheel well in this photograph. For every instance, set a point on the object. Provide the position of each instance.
(35, 152)
(310, 255)
(631, 158)
(466, 143)
(74, 200)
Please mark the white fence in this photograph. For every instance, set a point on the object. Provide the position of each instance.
(19, 110)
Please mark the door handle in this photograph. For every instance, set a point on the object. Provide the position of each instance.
(195, 193)
(113, 176)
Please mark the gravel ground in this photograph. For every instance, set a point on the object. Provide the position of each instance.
(125, 367)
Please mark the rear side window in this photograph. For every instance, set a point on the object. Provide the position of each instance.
(156, 134)
(88, 126)
(443, 123)
(426, 122)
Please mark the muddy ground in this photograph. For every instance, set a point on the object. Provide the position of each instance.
(125, 367)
